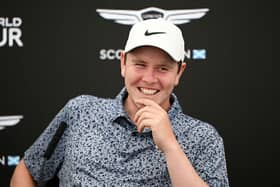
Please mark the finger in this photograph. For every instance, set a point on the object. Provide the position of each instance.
(144, 124)
(148, 109)
(147, 102)
(145, 115)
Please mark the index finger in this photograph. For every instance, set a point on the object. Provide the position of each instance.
(146, 102)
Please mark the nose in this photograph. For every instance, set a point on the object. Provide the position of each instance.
(150, 76)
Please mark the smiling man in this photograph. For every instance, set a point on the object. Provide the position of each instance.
(140, 138)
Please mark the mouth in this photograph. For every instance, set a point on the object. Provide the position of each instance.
(148, 91)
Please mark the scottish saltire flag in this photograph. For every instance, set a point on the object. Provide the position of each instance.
(199, 54)
(13, 160)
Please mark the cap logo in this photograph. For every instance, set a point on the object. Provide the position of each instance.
(147, 33)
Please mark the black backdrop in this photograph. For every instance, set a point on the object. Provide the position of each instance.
(234, 88)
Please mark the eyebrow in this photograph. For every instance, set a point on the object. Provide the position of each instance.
(166, 62)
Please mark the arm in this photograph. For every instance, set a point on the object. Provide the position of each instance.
(180, 169)
(22, 177)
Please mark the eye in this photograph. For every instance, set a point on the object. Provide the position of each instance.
(140, 65)
(163, 69)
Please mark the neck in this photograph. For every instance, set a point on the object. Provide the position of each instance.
(130, 107)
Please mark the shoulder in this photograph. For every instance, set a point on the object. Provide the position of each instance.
(188, 126)
(88, 106)
(85, 110)
(84, 101)
(197, 130)
(199, 138)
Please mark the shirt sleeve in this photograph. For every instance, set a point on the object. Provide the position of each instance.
(33, 157)
(210, 162)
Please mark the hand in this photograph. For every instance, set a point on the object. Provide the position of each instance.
(153, 116)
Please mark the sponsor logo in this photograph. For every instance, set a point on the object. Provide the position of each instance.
(115, 54)
(147, 33)
(130, 17)
(11, 32)
(110, 54)
(7, 121)
(9, 160)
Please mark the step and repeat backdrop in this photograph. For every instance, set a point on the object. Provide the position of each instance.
(51, 52)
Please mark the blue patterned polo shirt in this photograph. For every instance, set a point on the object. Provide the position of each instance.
(101, 147)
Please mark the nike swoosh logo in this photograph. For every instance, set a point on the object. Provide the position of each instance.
(147, 33)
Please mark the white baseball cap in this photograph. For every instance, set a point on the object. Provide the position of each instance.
(157, 33)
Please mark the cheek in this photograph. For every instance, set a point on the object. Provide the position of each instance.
(176, 79)
(131, 76)
(169, 82)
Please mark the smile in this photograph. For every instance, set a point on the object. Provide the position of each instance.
(148, 91)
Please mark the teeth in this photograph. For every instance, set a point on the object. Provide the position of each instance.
(148, 91)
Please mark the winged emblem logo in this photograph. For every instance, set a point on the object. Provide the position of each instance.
(6, 121)
(130, 17)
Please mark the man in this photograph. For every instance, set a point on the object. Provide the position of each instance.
(140, 138)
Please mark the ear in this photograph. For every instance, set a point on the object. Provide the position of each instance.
(122, 61)
(179, 74)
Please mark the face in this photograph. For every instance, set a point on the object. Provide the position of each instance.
(149, 73)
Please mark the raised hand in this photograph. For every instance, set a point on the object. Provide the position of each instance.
(153, 116)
